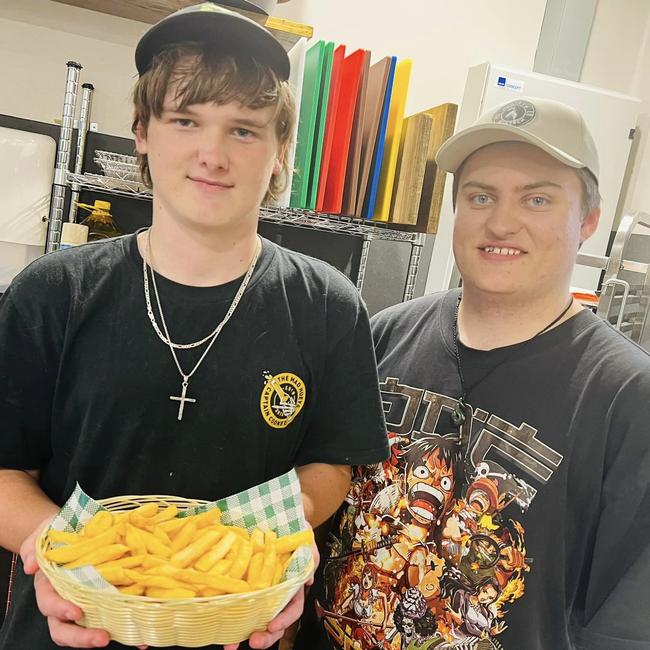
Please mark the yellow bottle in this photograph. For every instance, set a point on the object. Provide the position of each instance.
(100, 222)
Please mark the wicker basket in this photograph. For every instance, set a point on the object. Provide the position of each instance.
(192, 623)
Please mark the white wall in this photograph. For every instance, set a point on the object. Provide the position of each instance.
(618, 58)
(638, 196)
(443, 38)
(37, 37)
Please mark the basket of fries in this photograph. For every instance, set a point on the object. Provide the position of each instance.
(162, 570)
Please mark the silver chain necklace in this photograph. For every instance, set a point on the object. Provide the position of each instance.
(212, 337)
(152, 317)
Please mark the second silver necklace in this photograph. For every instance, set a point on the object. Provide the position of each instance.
(182, 398)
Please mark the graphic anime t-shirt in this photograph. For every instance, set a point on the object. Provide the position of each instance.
(502, 534)
(430, 552)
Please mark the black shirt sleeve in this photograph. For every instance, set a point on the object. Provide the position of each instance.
(615, 615)
(347, 425)
(27, 380)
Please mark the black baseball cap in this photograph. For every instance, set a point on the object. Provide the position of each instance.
(209, 23)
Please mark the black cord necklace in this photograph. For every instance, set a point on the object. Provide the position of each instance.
(459, 414)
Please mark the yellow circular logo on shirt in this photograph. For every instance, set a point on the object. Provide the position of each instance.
(283, 397)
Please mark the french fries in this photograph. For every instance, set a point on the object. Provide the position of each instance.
(151, 551)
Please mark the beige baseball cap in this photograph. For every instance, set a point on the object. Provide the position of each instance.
(556, 128)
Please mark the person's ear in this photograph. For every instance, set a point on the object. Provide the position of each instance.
(140, 134)
(279, 160)
(589, 225)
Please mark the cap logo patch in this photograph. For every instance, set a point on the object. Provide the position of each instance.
(516, 113)
(208, 6)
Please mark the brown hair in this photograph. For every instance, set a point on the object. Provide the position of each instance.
(202, 75)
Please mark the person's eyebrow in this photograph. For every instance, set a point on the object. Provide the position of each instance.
(171, 108)
(538, 185)
(522, 188)
(249, 121)
(480, 186)
(244, 121)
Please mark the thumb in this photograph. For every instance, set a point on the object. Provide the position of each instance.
(30, 566)
(28, 549)
(28, 556)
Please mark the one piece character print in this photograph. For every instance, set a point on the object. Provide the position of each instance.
(430, 551)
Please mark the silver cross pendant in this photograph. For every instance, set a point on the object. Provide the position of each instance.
(182, 399)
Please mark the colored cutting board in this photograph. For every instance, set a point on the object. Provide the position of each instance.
(356, 142)
(444, 120)
(311, 87)
(351, 74)
(372, 111)
(320, 126)
(378, 156)
(409, 175)
(393, 138)
(330, 124)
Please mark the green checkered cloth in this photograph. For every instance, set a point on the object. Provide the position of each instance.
(274, 505)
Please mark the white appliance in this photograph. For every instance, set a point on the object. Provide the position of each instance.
(610, 116)
(26, 174)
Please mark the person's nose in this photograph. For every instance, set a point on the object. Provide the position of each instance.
(504, 220)
(213, 151)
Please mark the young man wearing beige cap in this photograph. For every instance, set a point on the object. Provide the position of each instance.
(515, 510)
(193, 358)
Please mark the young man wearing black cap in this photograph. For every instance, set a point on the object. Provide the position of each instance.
(514, 513)
(192, 358)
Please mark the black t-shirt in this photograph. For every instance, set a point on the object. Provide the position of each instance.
(536, 538)
(85, 383)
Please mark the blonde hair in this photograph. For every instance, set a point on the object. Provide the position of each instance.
(203, 75)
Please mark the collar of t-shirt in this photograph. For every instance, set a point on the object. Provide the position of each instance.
(476, 363)
(182, 292)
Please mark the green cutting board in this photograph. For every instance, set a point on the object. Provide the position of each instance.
(309, 107)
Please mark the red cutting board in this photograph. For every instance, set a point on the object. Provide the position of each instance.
(330, 123)
(350, 77)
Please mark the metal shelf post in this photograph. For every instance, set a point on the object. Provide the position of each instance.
(55, 223)
(82, 132)
(417, 244)
(363, 262)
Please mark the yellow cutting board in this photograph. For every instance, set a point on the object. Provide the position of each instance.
(393, 136)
